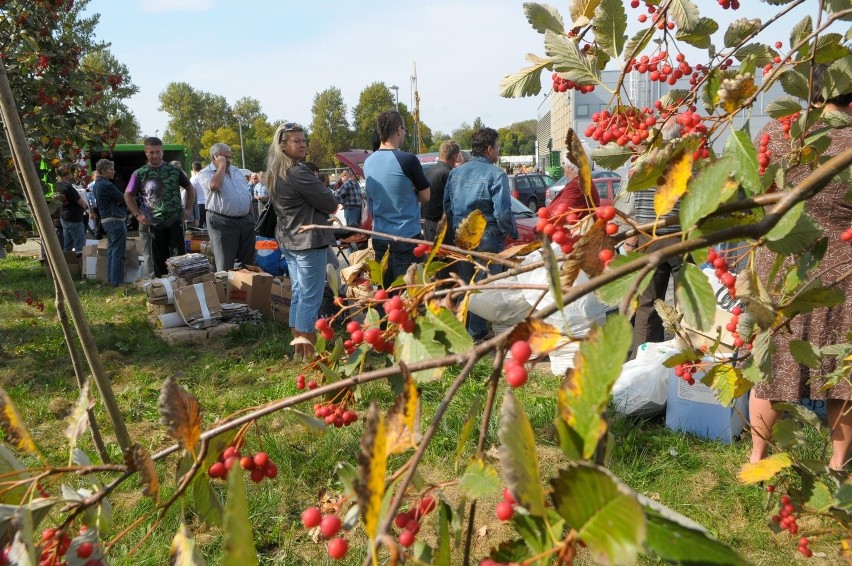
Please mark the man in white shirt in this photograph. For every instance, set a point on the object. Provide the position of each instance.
(228, 203)
(200, 197)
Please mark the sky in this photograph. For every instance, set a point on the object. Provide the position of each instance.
(283, 53)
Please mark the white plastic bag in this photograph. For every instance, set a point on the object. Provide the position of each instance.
(642, 387)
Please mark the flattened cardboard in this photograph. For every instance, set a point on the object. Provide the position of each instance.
(187, 335)
(158, 309)
(199, 305)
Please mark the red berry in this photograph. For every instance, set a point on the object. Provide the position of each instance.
(247, 463)
(770, 488)
(401, 520)
(606, 213)
(804, 541)
(521, 351)
(504, 510)
(261, 459)
(605, 255)
(396, 316)
(516, 376)
(406, 538)
(337, 548)
(312, 384)
(785, 500)
(427, 505)
(328, 334)
(611, 228)
(311, 517)
(408, 325)
(258, 474)
(507, 496)
(778, 45)
(321, 324)
(371, 335)
(352, 326)
(381, 295)
(271, 470)
(85, 549)
(229, 452)
(329, 525)
(413, 526)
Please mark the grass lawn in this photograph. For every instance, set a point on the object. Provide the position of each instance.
(251, 367)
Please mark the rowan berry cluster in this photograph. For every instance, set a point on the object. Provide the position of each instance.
(562, 85)
(730, 4)
(259, 465)
(54, 544)
(627, 125)
(786, 519)
(686, 370)
(556, 226)
(506, 508)
(786, 122)
(324, 328)
(658, 19)
(516, 373)
(335, 414)
(300, 382)
(764, 155)
(397, 314)
(329, 525)
(661, 68)
(409, 521)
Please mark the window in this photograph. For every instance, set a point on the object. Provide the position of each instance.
(523, 182)
(582, 110)
(602, 187)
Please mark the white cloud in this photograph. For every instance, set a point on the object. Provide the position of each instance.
(171, 6)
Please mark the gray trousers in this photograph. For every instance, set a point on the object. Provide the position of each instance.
(232, 239)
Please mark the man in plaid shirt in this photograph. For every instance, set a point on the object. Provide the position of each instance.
(349, 195)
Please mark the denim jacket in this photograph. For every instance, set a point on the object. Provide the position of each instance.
(480, 185)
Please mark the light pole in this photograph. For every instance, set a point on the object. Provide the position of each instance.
(396, 90)
(156, 133)
(242, 149)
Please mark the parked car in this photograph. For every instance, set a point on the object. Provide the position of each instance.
(525, 220)
(606, 183)
(530, 188)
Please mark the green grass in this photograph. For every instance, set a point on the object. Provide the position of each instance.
(251, 367)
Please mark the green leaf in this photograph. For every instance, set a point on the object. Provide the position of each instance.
(11, 470)
(801, 30)
(610, 26)
(814, 298)
(536, 532)
(348, 475)
(816, 494)
(728, 383)
(237, 529)
(838, 78)
(710, 96)
(679, 543)
(553, 275)
(784, 106)
(788, 434)
(685, 14)
(695, 297)
(739, 30)
(762, 354)
(604, 512)
(843, 497)
(421, 345)
(311, 423)
(829, 48)
(518, 455)
(611, 156)
(636, 44)
(756, 53)
(479, 480)
(701, 35)
(543, 17)
(614, 292)
(799, 413)
(759, 305)
(706, 191)
(800, 238)
(740, 149)
(443, 553)
(568, 60)
(526, 82)
(805, 353)
(206, 501)
(836, 6)
(467, 428)
(183, 550)
(794, 83)
(787, 223)
(458, 340)
(586, 390)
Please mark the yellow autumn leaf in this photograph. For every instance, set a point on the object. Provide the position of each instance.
(13, 426)
(403, 420)
(470, 231)
(180, 412)
(371, 475)
(183, 550)
(519, 250)
(728, 382)
(582, 9)
(673, 183)
(765, 469)
(541, 336)
(577, 155)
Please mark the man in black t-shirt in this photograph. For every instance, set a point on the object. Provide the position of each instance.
(433, 210)
(73, 206)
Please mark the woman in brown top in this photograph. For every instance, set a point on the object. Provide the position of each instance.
(299, 198)
(790, 381)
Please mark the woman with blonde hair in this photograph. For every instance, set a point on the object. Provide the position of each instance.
(299, 198)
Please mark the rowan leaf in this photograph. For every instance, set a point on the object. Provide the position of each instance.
(728, 382)
(605, 512)
(183, 550)
(636, 44)
(740, 149)
(577, 156)
(449, 330)
(470, 231)
(805, 353)
(312, 424)
(526, 82)
(467, 427)
(648, 168)
(685, 14)
(813, 298)
(137, 459)
(568, 61)
(582, 11)
(674, 181)
(479, 480)
(739, 30)
(784, 106)
(79, 417)
(543, 17)
(403, 420)
(695, 297)
(180, 412)
(677, 540)
(585, 392)
(421, 345)
(799, 238)
(11, 470)
(611, 156)
(751, 291)
(541, 336)
(443, 551)
(373, 465)
(765, 469)
(613, 293)
(610, 26)
(554, 279)
(519, 457)
(13, 426)
(237, 529)
(701, 35)
(713, 185)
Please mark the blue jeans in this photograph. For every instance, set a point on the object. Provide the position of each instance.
(401, 257)
(352, 214)
(307, 278)
(74, 236)
(492, 242)
(116, 232)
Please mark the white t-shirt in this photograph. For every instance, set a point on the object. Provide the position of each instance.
(200, 197)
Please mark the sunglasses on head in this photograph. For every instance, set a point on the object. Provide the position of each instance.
(291, 127)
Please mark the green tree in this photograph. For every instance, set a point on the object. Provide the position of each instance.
(329, 127)
(224, 134)
(518, 138)
(373, 100)
(191, 113)
(102, 62)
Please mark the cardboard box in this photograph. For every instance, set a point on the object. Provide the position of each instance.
(695, 409)
(73, 261)
(199, 305)
(186, 335)
(281, 313)
(204, 278)
(251, 286)
(282, 291)
(157, 310)
(95, 262)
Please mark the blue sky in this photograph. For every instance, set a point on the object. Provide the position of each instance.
(283, 53)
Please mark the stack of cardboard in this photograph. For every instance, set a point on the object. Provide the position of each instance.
(253, 287)
(282, 294)
(95, 260)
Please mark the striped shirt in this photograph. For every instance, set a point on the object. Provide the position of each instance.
(644, 211)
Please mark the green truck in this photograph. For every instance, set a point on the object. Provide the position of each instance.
(129, 157)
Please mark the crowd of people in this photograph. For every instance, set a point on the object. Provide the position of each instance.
(406, 206)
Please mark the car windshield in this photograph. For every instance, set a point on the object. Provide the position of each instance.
(519, 209)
